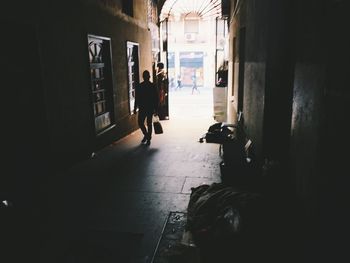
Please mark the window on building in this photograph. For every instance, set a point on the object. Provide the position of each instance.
(128, 7)
(100, 58)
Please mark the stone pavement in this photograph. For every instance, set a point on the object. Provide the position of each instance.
(128, 187)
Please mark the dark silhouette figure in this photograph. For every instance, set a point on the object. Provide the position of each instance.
(194, 84)
(146, 100)
(179, 85)
(162, 87)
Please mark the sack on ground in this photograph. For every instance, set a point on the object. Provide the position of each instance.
(218, 133)
(217, 211)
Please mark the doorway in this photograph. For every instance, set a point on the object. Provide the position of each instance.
(191, 58)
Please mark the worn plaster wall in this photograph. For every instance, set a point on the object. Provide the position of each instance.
(61, 30)
(268, 76)
(319, 108)
(333, 193)
(279, 81)
(255, 71)
(232, 105)
(308, 110)
(295, 108)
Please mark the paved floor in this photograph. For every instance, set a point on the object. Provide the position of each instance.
(128, 187)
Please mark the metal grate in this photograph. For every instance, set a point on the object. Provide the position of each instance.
(203, 8)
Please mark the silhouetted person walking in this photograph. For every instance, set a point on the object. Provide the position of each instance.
(146, 100)
(178, 86)
(194, 83)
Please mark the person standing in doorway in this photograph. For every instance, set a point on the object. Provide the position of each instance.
(146, 100)
(162, 87)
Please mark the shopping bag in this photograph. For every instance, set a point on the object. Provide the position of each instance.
(158, 129)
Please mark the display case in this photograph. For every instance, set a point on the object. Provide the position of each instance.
(101, 82)
(133, 71)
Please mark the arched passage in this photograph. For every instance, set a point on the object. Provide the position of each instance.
(190, 34)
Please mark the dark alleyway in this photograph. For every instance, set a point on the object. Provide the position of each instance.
(117, 202)
(63, 101)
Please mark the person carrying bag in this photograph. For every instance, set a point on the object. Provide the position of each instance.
(146, 100)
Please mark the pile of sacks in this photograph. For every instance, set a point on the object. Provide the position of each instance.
(232, 221)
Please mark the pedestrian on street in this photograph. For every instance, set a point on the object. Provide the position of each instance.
(179, 85)
(194, 83)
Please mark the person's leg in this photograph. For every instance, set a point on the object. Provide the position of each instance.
(141, 123)
(149, 127)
